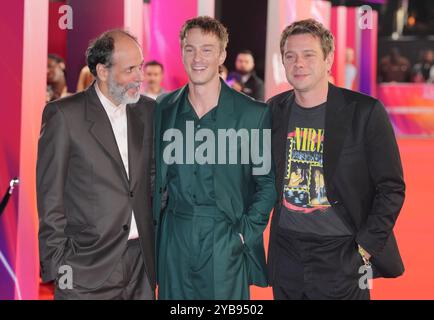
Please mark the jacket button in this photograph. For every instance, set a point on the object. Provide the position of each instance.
(131, 194)
(155, 222)
(125, 227)
(161, 190)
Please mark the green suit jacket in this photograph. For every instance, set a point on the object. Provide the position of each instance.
(245, 199)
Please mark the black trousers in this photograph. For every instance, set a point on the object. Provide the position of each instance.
(317, 267)
(128, 281)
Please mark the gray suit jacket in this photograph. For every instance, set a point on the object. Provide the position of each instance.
(84, 195)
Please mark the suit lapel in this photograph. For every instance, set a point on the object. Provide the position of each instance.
(224, 117)
(338, 120)
(280, 135)
(101, 128)
(168, 118)
(135, 142)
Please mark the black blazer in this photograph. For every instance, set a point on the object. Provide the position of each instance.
(362, 170)
(84, 195)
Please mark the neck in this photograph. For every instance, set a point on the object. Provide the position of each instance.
(312, 98)
(154, 89)
(204, 97)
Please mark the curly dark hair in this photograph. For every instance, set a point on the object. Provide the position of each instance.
(100, 50)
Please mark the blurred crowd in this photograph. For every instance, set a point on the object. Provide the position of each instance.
(395, 67)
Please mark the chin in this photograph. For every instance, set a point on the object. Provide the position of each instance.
(198, 82)
(132, 99)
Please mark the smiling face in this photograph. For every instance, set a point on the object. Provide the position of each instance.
(305, 66)
(202, 55)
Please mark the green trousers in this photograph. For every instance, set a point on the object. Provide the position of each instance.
(200, 257)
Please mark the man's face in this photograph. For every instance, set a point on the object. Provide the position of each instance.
(304, 62)
(126, 73)
(153, 76)
(429, 56)
(54, 71)
(202, 56)
(244, 63)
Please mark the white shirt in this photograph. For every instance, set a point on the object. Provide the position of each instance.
(118, 120)
(153, 95)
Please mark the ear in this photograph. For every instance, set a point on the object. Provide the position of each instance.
(329, 61)
(222, 57)
(102, 72)
(62, 66)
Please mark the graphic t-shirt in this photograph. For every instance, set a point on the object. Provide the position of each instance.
(306, 208)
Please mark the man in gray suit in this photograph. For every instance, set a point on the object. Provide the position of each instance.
(94, 181)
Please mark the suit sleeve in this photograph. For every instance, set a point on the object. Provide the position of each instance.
(253, 224)
(386, 173)
(51, 171)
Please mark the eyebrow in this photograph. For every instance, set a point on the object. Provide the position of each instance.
(133, 66)
(202, 46)
(303, 51)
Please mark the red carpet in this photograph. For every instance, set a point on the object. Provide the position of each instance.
(414, 230)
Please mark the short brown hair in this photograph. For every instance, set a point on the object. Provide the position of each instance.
(312, 27)
(207, 25)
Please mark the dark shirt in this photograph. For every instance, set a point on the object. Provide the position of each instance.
(306, 208)
(192, 184)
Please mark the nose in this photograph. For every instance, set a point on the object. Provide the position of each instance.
(140, 75)
(299, 62)
(197, 56)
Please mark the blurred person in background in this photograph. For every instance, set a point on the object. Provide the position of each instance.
(245, 76)
(423, 70)
(154, 73)
(56, 80)
(85, 79)
(350, 69)
(394, 67)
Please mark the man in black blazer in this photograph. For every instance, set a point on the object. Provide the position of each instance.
(338, 176)
(96, 232)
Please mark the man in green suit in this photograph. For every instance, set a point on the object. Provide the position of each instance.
(213, 165)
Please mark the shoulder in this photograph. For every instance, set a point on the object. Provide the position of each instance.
(145, 103)
(71, 103)
(256, 79)
(366, 108)
(363, 101)
(243, 101)
(279, 98)
(164, 98)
